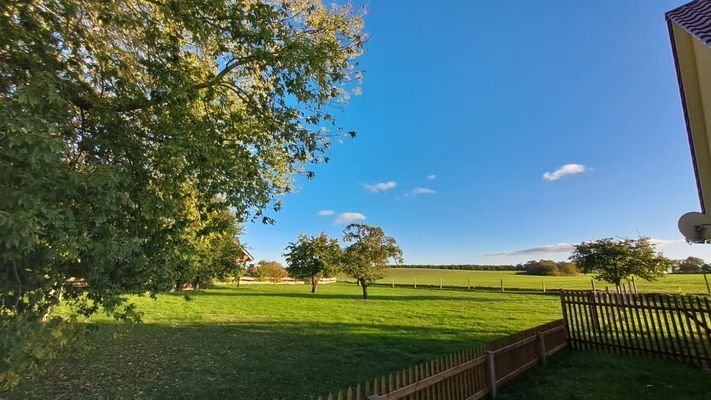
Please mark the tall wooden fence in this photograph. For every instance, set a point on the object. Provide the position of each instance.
(673, 327)
(467, 375)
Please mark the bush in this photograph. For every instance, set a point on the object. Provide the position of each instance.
(550, 268)
(692, 265)
(568, 268)
(268, 271)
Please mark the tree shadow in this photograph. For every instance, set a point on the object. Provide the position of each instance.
(246, 361)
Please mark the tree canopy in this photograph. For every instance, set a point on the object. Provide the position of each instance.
(313, 258)
(126, 126)
(616, 260)
(690, 265)
(367, 255)
(550, 267)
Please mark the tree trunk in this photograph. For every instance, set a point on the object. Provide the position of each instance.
(196, 284)
(239, 278)
(314, 283)
(364, 285)
(46, 309)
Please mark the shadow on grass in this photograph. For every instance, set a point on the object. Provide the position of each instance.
(245, 361)
(588, 375)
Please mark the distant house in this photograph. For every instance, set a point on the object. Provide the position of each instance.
(690, 34)
(246, 256)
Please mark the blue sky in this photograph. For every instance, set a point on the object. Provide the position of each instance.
(466, 105)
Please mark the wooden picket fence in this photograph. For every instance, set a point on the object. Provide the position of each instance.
(665, 326)
(466, 375)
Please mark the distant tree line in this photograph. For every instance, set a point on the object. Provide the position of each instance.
(466, 267)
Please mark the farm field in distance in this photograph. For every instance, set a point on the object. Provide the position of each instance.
(672, 283)
(279, 341)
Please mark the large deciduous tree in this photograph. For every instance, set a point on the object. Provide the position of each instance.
(616, 260)
(366, 257)
(110, 110)
(313, 258)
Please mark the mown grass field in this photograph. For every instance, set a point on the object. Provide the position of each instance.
(677, 283)
(279, 342)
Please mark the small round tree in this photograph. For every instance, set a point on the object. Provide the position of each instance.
(615, 260)
(313, 258)
(366, 258)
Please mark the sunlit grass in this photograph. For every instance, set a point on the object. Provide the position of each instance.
(676, 283)
(279, 342)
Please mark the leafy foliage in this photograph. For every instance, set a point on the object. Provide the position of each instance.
(691, 265)
(615, 260)
(27, 345)
(268, 271)
(313, 257)
(366, 258)
(129, 130)
(550, 268)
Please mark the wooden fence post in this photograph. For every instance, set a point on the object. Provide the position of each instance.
(415, 283)
(592, 281)
(492, 374)
(502, 285)
(542, 347)
(440, 283)
(469, 283)
(706, 279)
(544, 285)
(393, 281)
(593, 311)
(634, 285)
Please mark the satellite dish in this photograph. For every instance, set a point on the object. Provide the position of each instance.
(696, 227)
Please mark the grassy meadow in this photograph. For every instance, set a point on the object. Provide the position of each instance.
(677, 283)
(278, 342)
(623, 378)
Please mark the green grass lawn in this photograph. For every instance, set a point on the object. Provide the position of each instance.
(686, 284)
(279, 342)
(584, 375)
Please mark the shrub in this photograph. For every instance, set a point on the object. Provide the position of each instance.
(691, 265)
(268, 271)
(550, 268)
(568, 268)
(542, 267)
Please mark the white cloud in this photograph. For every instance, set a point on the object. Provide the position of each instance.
(380, 187)
(665, 242)
(325, 213)
(568, 248)
(432, 177)
(420, 190)
(348, 217)
(546, 249)
(567, 169)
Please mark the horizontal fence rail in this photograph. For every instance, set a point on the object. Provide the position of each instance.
(672, 327)
(466, 375)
